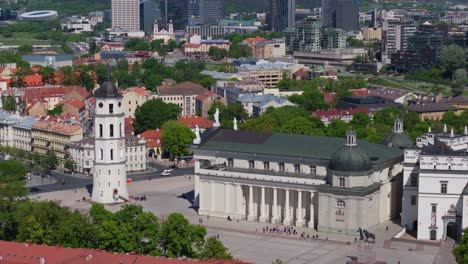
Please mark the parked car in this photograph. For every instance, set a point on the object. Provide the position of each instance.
(169, 170)
(165, 173)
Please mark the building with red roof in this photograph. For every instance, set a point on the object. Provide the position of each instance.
(23, 253)
(193, 121)
(205, 101)
(132, 98)
(55, 94)
(74, 108)
(181, 94)
(327, 116)
(153, 142)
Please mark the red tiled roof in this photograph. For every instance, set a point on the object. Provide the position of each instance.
(57, 127)
(153, 137)
(301, 72)
(32, 80)
(47, 92)
(191, 45)
(205, 96)
(21, 253)
(137, 90)
(328, 96)
(360, 92)
(192, 121)
(337, 113)
(128, 126)
(78, 104)
(184, 88)
(255, 39)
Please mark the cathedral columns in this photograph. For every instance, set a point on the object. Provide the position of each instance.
(312, 216)
(274, 219)
(212, 200)
(263, 217)
(287, 209)
(226, 197)
(251, 215)
(299, 212)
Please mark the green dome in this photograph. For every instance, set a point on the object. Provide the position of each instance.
(350, 158)
(399, 140)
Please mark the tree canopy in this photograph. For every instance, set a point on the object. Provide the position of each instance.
(153, 114)
(176, 138)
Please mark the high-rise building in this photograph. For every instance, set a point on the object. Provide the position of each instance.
(342, 14)
(395, 35)
(211, 11)
(306, 36)
(333, 39)
(282, 14)
(194, 8)
(110, 173)
(126, 14)
(175, 10)
(146, 16)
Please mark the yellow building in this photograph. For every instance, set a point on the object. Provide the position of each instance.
(372, 33)
(433, 111)
(133, 97)
(55, 136)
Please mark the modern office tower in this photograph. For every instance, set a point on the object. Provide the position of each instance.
(126, 14)
(211, 11)
(282, 14)
(146, 16)
(194, 8)
(156, 6)
(342, 14)
(389, 38)
(306, 36)
(403, 32)
(175, 10)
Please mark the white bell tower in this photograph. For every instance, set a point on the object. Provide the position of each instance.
(110, 176)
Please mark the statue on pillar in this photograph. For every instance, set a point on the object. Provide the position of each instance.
(235, 123)
(216, 118)
(197, 139)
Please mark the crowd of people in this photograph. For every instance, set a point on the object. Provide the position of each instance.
(287, 230)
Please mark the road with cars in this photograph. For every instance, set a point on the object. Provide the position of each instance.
(64, 181)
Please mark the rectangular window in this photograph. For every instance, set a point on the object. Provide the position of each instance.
(111, 108)
(414, 200)
(443, 187)
(230, 162)
(266, 165)
(313, 169)
(112, 154)
(111, 130)
(341, 182)
(251, 164)
(414, 179)
(297, 168)
(281, 167)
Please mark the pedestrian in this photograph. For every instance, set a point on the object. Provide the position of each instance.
(75, 191)
(217, 236)
(386, 229)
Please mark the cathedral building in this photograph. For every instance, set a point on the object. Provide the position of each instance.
(110, 177)
(326, 183)
(435, 185)
(163, 34)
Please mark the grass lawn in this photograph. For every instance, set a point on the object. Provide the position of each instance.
(409, 85)
(20, 38)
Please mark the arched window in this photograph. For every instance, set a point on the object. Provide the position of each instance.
(230, 162)
(111, 130)
(102, 153)
(111, 108)
(112, 154)
(100, 130)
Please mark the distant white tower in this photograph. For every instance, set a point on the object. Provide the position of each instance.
(110, 177)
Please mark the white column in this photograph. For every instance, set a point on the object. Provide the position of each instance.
(196, 199)
(312, 216)
(226, 198)
(263, 217)
(239, 201)
(251, 216)
(287, 209)
(212, 200)
(200, 196)
(299, 215)
(274, 218)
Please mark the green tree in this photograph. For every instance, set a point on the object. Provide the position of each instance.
(69, 165)
(176, 138)
(25, 49)
(214, 249)
(153, 114)
(337, 128)
(10, 103)
(51, 160)
(459, 80)
(453, 57)
(48, 75)
(137, 45)
(461, 251)
(180, 239)
(361, 120)
(302, 126)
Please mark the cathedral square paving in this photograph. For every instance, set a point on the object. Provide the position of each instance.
(247, 241)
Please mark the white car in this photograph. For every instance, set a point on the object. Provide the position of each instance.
(165, 173)
(168, 170)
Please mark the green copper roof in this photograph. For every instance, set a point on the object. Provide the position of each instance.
(300, 146)
(350, 159)
(399, 140)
